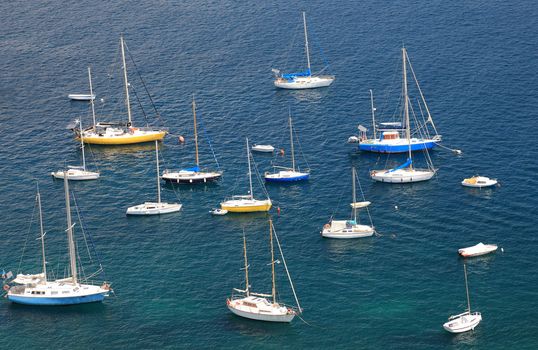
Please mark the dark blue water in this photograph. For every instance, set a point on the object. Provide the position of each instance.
(476, 64)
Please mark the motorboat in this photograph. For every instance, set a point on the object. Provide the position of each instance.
(81, 97)
(479, 181)
(477, 250)
(218, 211)
(263, 148)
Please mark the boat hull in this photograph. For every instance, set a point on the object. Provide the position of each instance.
(81, 97)
(402, 175)
(287, 176)
(125, 139)
(300, 83)
(477, 250)
(92, 298)
(154, 208)
(380, 147)
(76, 176)
(479, 182)
(194, 178)
(347, 234)
(463, 323)
(237, 207)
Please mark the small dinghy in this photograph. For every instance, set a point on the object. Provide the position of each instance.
(477, 250)
(263, 148)
(81, 97)
(479, 181)
(218, 211)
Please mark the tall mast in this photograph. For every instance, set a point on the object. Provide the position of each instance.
(273, 290)
(195, 132)
(127, 102)
(467, 288)
(91, 96)
(70, 239)
(354, 193)
(247, 287)
(249, 172)
(158, 172)
(42, 233)
(406, 105)
(306, 43)
(291, 142)
(373, 111)
(82, 145)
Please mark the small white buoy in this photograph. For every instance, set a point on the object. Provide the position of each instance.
(502, 249)
(396, 207)
(181, 139)
(457, 151)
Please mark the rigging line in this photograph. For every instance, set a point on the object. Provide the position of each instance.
(421, 95)
(139, 103)
(363, 197)
(323, 58)
(174, 189)
(30, 224)
(90, 237)
(301, 149)
(258, 176)
(286, 268)
(206, 134)
(157, 114)
(81, 227)
(292, 44)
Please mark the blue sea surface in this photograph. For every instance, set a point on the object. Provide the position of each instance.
(476, 62)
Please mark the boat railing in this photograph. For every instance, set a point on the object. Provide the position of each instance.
(459, 315)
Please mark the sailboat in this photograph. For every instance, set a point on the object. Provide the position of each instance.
(467, 320)
(194, 174)
(350, 228)
(152, 208)
(119, 133)
(302, 80)
(405, 173)
(246, 203)
(78, 172)
(258, 306)
(36, 289)
(288, 174)
(390, 140)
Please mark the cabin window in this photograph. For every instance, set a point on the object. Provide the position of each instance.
(54, 292)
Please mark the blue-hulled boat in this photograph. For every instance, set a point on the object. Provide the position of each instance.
(292, 174)
(36, 289)
(390, 137)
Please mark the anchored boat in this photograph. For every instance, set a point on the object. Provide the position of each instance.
(477, 250)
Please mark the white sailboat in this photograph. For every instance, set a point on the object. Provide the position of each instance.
(467, 320)
(345, 229)
(406, 172)
(195, 174)
(36, 289)
(262, 306)
(119, 133)
(302, 80)
(288, 174)
(246, 203)
(155, 208)
(79, 172)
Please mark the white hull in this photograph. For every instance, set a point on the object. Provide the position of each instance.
(186, 176)
(150, 208)
(311, 82)
(218, 212)
(76, 175)
(264, 312)
(463, 322)
(402, 175)
(347, 232)
(81, 97)
(479, 182)
(263, 148)
(477, 250)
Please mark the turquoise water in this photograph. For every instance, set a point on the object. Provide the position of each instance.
(172, 274)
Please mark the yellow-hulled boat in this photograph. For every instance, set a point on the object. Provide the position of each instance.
(119, 133)
(247, 203)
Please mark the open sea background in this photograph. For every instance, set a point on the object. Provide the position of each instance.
(476, 62)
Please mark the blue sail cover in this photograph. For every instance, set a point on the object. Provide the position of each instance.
(194, 168)
(291, 76)
(404, 165)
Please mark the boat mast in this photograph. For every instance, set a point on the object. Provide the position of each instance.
(82, 145)
(291, 142)
(273, 290)
(158, 173)
(249, 172)
(306, 44)
(467, 288)
(406, 104)
(42, 233)
(373, 110)
(127, 102)
(91, 98)
(70, 239)
(247, 287)
(195, 132)
(354, 193)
